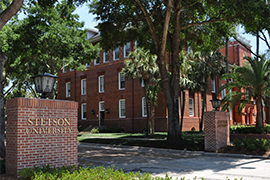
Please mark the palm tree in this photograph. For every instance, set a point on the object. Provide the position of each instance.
(205, 66)
(184, 83)
(142, 65)
(253, 82)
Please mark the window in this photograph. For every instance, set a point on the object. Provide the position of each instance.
(101, 106)
(64, 68)
(213, 85)
(84, 111)
(71, 69)
(191, 107)
(68, 89)
(101, 83)
(116, 54)
(223, 92)
(144, 110)
(83, 86)
(121, 80)
(106, 56)
(96, 61)
(142, 83)
(122, 108)
(87, 64)
(126, 50)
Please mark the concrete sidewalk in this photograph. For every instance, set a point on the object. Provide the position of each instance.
(175, 163)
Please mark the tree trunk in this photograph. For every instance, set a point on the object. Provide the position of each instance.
(10, 11)
(152, 119)
(259, 119)
(204, 100)
(3, 59)
(182, 110)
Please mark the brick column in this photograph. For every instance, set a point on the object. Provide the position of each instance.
(217, 134)
(40, 132)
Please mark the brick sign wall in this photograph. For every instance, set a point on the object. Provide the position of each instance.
(216, 132)
(40, 132)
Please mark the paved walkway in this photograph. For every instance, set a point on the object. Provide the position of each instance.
(175, 163)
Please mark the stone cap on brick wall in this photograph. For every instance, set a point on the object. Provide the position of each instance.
(34, 102)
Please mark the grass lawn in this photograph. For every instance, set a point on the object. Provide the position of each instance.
(192, 140)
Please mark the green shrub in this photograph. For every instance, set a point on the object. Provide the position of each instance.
(238, 144)
(259, 146)
(99, 172)
(244, 129)
(94, 130)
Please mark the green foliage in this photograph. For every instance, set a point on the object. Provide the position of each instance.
(143, 65)
(123, 21)
(82, 173)
(51, 35)
(250, 145)
(244, 129)
(94, 130)
(249, 82)
(238, 144)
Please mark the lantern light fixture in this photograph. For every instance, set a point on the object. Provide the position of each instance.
(216, 103)
(44, 83)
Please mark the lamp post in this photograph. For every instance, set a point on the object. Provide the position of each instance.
(216, 103)
(44, 83)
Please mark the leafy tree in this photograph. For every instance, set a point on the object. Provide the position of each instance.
(50, 36)
(8, 9)
(252, 82)
(142, 65)
(185, 83)
(256, 22)
(162, 26)
(205, 66)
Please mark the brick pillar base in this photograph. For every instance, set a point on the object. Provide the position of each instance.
(40, 132)
(217, 134)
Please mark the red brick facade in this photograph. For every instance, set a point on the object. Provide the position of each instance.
(40, 132)
(132, 94)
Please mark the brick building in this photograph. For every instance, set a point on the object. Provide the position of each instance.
(106, 98)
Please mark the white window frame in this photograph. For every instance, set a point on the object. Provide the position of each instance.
(120, 75)
(105, 60)
(100, 106)
(83, 86)
(191, 107)
(101, 84)
(82, 112)
(223, 92)
(95, 61)
(120, 110)
(114, 58)
(144, 110)
(142, 83)
(125, 48)
(64, 68)
(213, 85)
(88, 65)
(71, 69)
(68, 89)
